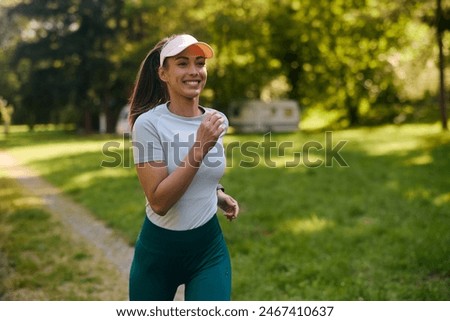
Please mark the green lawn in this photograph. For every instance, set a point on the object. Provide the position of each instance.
(310, 228)
(41, 260)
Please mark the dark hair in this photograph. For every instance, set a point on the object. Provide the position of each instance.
(149, 91)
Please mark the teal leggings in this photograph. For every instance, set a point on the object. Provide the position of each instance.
(164, 259)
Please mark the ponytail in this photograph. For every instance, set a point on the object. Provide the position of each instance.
(149, 91)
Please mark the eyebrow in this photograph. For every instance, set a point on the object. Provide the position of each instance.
(185, 57)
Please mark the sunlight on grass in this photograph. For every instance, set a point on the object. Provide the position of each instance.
(38, 128)
(417, 193)
(391, 147)
(42, 152)
(86, 179)
(309, 225)
(317, 118)
(442, 199)
(28, 201)
(420, 160)
(399, 140)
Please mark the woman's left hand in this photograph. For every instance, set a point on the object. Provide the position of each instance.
(228, 205)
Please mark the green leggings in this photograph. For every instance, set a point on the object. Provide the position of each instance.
(164, 259)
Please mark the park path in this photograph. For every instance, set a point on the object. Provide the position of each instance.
(74, 216)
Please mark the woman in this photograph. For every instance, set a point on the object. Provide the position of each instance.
(179, 159)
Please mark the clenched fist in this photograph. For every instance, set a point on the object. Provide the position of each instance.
(208, 133)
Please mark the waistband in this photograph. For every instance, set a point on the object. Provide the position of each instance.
(161, 240)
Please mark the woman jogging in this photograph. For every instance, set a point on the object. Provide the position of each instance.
(179, 158)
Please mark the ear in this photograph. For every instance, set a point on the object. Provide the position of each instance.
(162, 73)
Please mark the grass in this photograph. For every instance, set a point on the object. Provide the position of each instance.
(377, 229)
(40, 260)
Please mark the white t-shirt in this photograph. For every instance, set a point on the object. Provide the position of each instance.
(159, 135)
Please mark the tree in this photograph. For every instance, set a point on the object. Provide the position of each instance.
(8, 41)
(442, 24)
(64, 57)
(242, 64)
(236, 29)
(437, 15)
(338, 55)
(6, 112)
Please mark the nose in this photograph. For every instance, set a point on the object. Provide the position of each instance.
(192, 69)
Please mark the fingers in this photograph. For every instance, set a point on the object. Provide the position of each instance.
(231, 216)
(212, 116)
(214, 122)
(209, 131)
(232, 209)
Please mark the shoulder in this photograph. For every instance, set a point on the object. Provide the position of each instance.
(147, 123)
(150, 117)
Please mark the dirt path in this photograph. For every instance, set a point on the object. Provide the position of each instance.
(74, 216)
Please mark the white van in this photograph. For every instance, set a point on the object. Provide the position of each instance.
(258, 116)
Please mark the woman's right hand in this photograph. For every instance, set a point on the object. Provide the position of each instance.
(208, 133)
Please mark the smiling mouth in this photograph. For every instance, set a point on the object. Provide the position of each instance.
(192, 82)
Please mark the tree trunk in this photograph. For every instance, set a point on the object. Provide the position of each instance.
(442, 95)
(352, 111)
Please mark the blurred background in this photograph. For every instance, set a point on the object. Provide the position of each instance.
(359, 62)
(363, 80)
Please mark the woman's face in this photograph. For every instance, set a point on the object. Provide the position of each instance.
(185, 74)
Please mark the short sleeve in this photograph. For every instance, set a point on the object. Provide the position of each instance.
(147, 146)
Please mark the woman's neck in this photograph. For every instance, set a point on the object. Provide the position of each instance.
(185, 107)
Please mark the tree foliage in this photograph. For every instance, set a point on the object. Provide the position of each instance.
(63, 59)
(66, 59)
